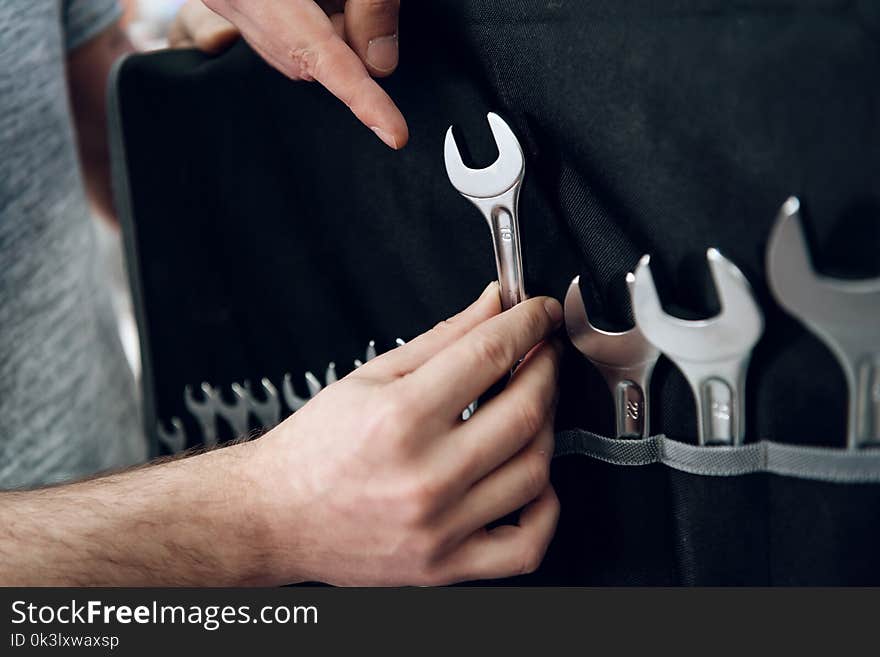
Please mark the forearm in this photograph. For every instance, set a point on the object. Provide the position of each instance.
(186, 522)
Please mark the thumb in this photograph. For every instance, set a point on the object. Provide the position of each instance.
(196, 25)
(371, 28)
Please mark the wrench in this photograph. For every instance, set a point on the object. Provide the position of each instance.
(203, 411)
(845, 315)
(312, 383)
(236, 413)
(268, 412)
(495, 192)
(713, 354)
(625, 360)
(174, 440)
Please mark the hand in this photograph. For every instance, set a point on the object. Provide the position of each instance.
(339, 43)
(378, 481)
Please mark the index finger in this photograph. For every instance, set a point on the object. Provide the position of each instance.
(461, 372)
(341, 71)
(297, 38)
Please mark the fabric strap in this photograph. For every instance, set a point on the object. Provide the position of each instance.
(818, 463)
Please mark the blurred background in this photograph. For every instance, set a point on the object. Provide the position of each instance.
(147, 23)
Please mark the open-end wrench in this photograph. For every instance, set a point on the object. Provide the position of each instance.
(203, 411)
(845, 315)
(267, 412)
(625, 360)
(236, 413)
(713, 354)
(294, 401)
(175, 439)
(495, 192)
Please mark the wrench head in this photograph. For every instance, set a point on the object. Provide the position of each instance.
(204, 405)
(624, 350)
(828, 305)
(270, 392)
(497, 178)
(241, 400)
(175, 439)
(729, 335)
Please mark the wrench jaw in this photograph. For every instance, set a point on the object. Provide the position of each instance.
(838, 313)
(204, 412)
(235, 413)
(268, 412)
(738, 307)
(625, 360)
(790, 273)
(713, 354)
(294, 401)
(175, 439)
(498, 177)
(495, 190)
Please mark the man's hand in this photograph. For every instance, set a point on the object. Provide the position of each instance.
(339, 43)
(378, 481)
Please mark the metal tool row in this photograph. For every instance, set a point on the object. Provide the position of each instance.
(712, 354)
(249, 409)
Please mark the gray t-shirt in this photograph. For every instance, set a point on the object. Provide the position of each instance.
(67, 396)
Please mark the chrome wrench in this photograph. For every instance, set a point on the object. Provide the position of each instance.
(175, 439)
(203, 411)
(495, 192)
(845, 315)
(236, 413)
(625, 360)
(267, 412)
(713, 354)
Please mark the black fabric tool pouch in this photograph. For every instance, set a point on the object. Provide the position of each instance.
(269, 235)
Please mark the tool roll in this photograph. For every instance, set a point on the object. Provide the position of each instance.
(269, 234)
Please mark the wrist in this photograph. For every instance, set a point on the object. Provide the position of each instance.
(242, 518)
(269, 509)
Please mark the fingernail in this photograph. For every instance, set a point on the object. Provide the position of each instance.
(554, 310)
(490, 289)
(382, 53)
(387, 137)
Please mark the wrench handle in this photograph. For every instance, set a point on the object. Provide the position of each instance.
(865, 405)
(719, 393)
(631, 410)
(508, 256)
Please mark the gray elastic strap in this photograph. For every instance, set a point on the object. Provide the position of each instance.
(820, 463)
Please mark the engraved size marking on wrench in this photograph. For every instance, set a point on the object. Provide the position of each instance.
(633, 410)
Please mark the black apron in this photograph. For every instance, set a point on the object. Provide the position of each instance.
(269, 232)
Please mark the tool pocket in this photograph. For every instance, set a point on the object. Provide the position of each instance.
(763, 513)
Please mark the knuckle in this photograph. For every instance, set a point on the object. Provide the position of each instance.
(434, 575)
(537, 474)
(388, 420)
(532, 415)
(308, 62)
(301, 63)
(442, 326)
(492, 350)
(380, 6)
(419, 501)
(536, 321)
(422, 550)
(530, 559)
